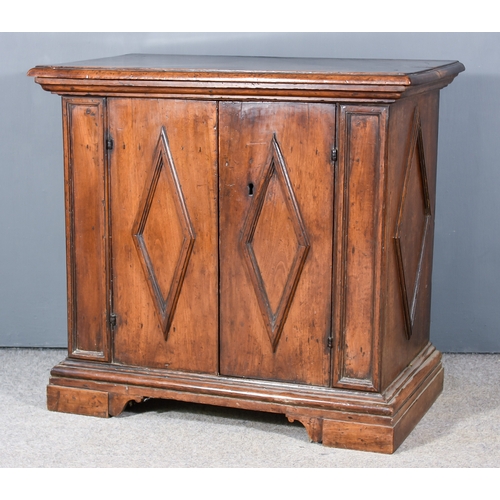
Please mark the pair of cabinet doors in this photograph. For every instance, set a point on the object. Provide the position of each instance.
(201, 235)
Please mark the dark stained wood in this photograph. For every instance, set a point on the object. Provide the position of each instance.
(293, 399)
(275, 310)
(230, 77)
(179, 234)
(80, 401)
(118, 402)
(230, 68)
(416, 260)
(360, 221)
(313, 425)
(253, 233)
(365, 421)
(86, 228)
(164, 249)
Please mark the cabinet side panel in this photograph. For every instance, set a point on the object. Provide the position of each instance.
(359, 257)
(412, 157)
(87, 227)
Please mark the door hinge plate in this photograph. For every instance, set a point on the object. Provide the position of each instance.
(112, 320)
(334, 155)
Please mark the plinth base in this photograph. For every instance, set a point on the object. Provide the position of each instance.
(339, 418)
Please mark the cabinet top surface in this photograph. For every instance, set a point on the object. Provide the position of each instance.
(229, 77)
(157, 67)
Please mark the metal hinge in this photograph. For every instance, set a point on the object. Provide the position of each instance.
(112, 320)
(334, 154)
(330, 342)
(109, 144)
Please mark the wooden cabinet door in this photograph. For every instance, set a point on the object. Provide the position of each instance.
(163, 205)
(276, 236)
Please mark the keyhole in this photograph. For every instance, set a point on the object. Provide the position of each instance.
(250, 189)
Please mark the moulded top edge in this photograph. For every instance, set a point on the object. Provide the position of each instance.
(167, 67)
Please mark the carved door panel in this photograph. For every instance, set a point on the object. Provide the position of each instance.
(163, 192)
(276, 234)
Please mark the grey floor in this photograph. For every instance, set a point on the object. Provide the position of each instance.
(462, 429)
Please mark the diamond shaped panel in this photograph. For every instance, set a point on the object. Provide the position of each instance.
(163, 233)
(413, 222)
(274, 243)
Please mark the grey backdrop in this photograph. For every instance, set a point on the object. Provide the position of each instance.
(466, 303)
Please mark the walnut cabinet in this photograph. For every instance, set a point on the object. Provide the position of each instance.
(253, 233)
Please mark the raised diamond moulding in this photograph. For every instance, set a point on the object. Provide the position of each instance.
(274, 243)
(163, 233)
(412, 224)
